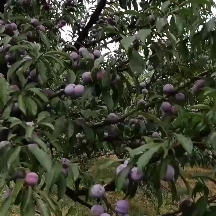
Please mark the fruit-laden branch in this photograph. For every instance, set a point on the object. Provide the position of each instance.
(93, 19)
(104, 123)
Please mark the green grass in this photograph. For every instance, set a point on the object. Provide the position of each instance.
(139, 205)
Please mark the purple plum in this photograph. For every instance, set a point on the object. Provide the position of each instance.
(199, 84)
(120, 168)
(166, 107)
(155, 135)
(69, 90)
(41, 28)
(65, 163)
(86, 77)
(180, 97)
(97, 53)
(35, 22)
(141, 104)
(112, 117)
(168, 89)
(65, 172)
(97, 210)
(79, 90)
(136, 175)
(169, 174)
(122, 207)
(98, 191)
(31, 179)
(174, 110)
(101, 74)
(145, 91)
(74, 56)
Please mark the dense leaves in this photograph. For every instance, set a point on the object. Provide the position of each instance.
(135, 79)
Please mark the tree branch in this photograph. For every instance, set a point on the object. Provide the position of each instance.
(93, 19)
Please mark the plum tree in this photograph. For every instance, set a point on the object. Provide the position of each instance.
(66, 101)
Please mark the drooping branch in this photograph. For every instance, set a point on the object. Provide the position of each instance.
(93, 19)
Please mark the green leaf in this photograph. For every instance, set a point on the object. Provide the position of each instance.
(160, 23)
(146, 157)
(137, 63)
(3, 91)
(61, 186)
(108, 100)
(29, 131)
(53, 175)
(47, 124)
(127, 41)
(14, 68)
(14, 156)
(42, 115)
(121, 178)
(27, 199)
(70, 128)
(42, 207)
(31, 106)
(89, 133)
(35, 138)
(171, 38)
(59, 126)
(44, 39)
(5, 207)
(74, 171)
(165, 6)
(107, 164)
(6, 41)
(71, 211)
(52, 204)
(21, 103)
(40, 93)
(29, 210)
(71, 76)
(179, 23)
(201, 206)
(18, 187)
(42, 157)
(200, 106)
(186, 142)
(143, 34)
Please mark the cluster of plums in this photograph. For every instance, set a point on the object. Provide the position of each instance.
(122, 206)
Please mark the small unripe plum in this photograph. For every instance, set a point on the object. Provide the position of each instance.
(168, 89)
(19, 174)
(65, 163)
(145, 91)
(8, 28)
(41, 28)
(180, 97)
(101, 74)
(112, 117)
(111, 21)
(120, 168)
(14, 26)
(166, 106)
(122, 207)
(133, 121)
(74, 56)
(97, 53)
(82, 49)
(48, 92)
(14, 87)
(79, 90)
(136, 174)
(7, 193)
(184, 204)
(31, 179)
(69, 89)
(142, 84)
(35, 22)
(199, 84)
(98, 191)
(2, 22)
(86, 77)
(174, 110)
(151, 19)
(141, 104)
(65, 172)
(169, 174)
(155, 135)
(97, 210)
